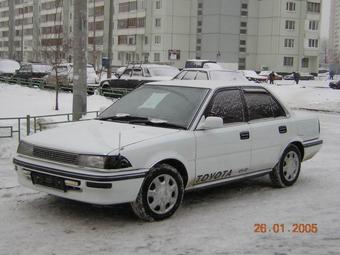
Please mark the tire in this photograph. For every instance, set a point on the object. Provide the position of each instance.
(287, 171)
(160, 195)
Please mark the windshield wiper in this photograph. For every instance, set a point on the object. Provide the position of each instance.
(123, 117)
(158, 123)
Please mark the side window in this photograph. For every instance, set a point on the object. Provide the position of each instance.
(277, 109)
(201, 76)
(228, 105)
(137, 72)
(190, 75)
(259, 105)
(180, 75)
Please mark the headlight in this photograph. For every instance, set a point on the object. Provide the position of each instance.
(25, 149)
(104, 162)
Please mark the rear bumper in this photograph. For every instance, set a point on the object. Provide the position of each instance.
(92, 187)
(311, 147)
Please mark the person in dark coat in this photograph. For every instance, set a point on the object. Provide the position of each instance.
(331, 75)
(271, 77)
(296, 76)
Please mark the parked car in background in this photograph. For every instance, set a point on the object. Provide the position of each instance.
(65, 76)
(197, 63)
(33, 71)
(266, 75)
(134, 76)
(253, 76)
(209, 74)
(8, 67)
(303, 76)
(166, 138)
(334, 84)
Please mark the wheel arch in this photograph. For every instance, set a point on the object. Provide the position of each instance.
(299, 145)
(179, 166)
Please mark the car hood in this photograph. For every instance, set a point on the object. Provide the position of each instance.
(95, 136)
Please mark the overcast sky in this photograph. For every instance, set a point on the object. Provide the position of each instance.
(325, 18)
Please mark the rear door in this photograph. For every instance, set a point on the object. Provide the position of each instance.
(267, 124)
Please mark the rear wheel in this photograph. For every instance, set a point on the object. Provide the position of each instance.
(161, 194)
(287, 171)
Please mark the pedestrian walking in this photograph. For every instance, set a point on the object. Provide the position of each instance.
(271, 77)
(296, 76)
(331, 75)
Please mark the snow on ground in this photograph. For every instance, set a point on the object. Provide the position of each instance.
(215, 221)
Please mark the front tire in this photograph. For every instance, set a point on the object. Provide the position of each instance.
(160, 195)
(287, 171)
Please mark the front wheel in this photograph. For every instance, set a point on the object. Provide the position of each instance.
(287, 171)
(160, 195)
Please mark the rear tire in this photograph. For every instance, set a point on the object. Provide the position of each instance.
(160, 195)
(287, 171)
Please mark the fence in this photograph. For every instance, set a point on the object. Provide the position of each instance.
(37, 126)
(108, 91)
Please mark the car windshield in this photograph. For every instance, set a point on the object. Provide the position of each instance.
(167, 104)
(163, 71)
(227, 76)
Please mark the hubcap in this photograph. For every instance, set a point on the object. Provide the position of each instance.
(162, 194)
(290, 166)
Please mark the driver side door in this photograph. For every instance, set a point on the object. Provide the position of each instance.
(225, 152)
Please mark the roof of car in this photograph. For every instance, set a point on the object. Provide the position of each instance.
(209, 70)
(205, 83)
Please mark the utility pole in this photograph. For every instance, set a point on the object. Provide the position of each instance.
(79, 58)
(109, 48)
(94, 36)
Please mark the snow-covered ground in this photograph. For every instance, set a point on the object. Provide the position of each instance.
(215, 221)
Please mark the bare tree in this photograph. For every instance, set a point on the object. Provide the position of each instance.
(80, 58)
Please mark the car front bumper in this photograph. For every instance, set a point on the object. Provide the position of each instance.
(93, 187)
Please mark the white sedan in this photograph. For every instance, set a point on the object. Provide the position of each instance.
(168, 137)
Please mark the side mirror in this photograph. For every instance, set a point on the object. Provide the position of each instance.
(210, 123)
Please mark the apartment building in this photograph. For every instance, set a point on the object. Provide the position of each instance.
(280, 35)
(334, 33)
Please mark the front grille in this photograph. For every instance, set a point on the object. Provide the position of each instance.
(54, 155)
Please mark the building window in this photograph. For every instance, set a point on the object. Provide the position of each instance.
(313, 7)
(157, 22)
(243, 31)
(146, 40)
(243, 24)
(290, 6)
(244, 13)
(244, 6)
(289, 43)
(242, 49)
(200, 5)
(157, 57)
(157, 39)
(242, 42)
(288, 61)
(290, 24)
(313, 43)
(305, 62)
(158, 4)
(313, 25)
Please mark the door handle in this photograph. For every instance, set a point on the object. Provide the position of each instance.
(244, 135)
(282, 129)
